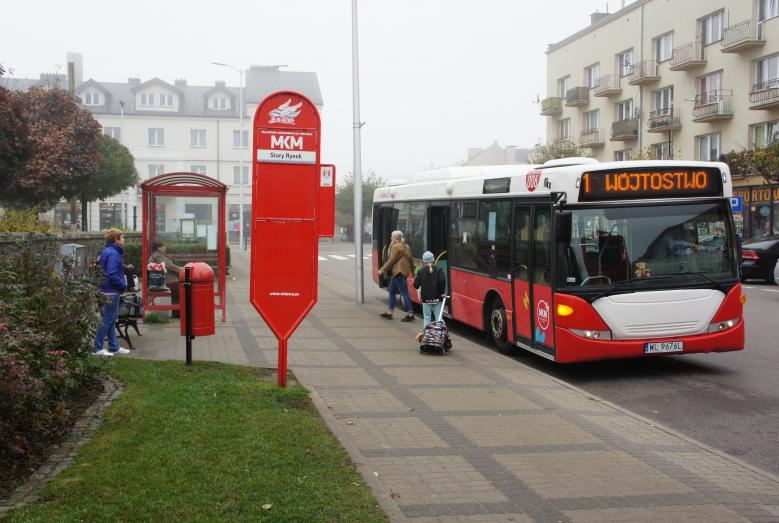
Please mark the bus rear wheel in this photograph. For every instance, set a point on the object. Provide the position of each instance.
(498, 326)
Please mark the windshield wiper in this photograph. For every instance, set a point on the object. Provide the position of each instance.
(625, 282)
(698, 273)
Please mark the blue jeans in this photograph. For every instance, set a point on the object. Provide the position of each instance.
(430, 312)
(108, 325)
(399, 284)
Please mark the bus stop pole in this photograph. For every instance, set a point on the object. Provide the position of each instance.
(357, 170)
(188, 313)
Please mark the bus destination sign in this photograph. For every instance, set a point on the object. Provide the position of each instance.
(679, 182)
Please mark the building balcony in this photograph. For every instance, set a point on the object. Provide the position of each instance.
(577, 97)
(742, 36)
(688, 56)
(713, 105)
(663, 120)
(624, 130)
(551, 106)
(607, 86)
(591, 138)
(765, 95)
(644, 73)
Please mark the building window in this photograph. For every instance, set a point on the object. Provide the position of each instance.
(564, 129)
(767, 72)
(764, 134)
(237, 142)
(709, 87)
(91, 98)
(623, 110)
(664, 46)
(156, 136)
(197, 137)
(199, 169)
(623, 155)
(664, 100)
(625, 63)
(166, 100)
(155, 170)
(769, 9)
(592, 76)
(237, 178)
(661, 151)
(113, 132)
(711, 27)
(563, 84)
(219, 103)
(147, 99)
(591, 120)
(709, 147)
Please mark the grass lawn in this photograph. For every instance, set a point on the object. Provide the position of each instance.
(207, 443)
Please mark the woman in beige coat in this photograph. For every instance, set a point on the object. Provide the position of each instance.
(398, 268)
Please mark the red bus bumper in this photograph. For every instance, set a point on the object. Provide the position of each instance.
(572, 348)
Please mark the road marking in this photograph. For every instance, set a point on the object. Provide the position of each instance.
(367, 256)
(748, 287)
(350, 255)
(322, 258)
(337, 257)
(769, 290)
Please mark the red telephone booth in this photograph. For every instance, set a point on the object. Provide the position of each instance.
(187, 209)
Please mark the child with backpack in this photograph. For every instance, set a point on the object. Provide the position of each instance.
(432, 282)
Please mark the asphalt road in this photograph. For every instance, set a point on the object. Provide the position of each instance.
(729, 401)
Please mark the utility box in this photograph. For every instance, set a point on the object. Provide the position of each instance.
(201, 277)
(78, 254)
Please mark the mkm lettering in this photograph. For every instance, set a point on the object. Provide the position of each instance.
(286, 142)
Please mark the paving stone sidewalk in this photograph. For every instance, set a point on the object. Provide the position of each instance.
(476, 436)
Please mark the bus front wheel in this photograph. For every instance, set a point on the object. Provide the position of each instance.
(498, 326)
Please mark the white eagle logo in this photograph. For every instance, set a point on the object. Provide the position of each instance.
(285, 113)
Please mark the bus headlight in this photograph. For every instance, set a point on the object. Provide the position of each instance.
(719, 326)
(592, 334)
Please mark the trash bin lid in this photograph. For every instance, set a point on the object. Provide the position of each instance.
(198, 271)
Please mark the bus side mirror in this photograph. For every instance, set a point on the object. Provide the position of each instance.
(562, 226)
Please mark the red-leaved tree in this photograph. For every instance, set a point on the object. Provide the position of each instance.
(64, 140)
(14, 137)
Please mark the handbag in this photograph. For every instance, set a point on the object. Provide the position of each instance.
(383, 281)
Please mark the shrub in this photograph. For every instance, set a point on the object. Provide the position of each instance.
(25, 220)
(47, 323)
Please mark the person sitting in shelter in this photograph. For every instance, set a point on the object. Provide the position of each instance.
(160, 260)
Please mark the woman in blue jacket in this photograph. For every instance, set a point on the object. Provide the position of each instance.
(112, 287)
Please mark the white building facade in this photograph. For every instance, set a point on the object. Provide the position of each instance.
(176, 127)
(668, 78)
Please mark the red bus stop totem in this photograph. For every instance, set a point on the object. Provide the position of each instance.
(285, 235)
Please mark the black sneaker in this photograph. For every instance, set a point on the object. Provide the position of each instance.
(408, 318)
(386, 315)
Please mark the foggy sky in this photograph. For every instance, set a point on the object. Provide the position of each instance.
(436, 76)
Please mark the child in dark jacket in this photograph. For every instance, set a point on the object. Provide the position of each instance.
(432, 281)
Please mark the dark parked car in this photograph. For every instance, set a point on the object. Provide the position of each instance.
(759, 257)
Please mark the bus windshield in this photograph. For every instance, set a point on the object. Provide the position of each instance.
(648, 245)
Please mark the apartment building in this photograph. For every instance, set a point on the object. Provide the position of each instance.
(673, 79)
(174, 126)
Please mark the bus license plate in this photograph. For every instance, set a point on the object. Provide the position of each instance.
(663, 346)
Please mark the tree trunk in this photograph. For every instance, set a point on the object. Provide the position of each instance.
(84, 213)
(73, 214)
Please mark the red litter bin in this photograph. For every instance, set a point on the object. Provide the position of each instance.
(201, 277)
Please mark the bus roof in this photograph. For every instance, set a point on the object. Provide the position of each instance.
(526, 180)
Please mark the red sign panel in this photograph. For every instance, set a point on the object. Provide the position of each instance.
(285, 194)
(326, 205)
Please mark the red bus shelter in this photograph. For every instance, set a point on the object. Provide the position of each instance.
(164, 190)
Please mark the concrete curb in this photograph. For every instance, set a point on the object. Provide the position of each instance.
(82, 431)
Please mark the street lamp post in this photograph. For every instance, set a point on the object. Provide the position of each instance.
(240, 148)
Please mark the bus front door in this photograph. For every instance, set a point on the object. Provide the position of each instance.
(438, 237)
(531, 278)
(520, 277)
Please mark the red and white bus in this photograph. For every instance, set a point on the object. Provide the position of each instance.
(577, 260)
